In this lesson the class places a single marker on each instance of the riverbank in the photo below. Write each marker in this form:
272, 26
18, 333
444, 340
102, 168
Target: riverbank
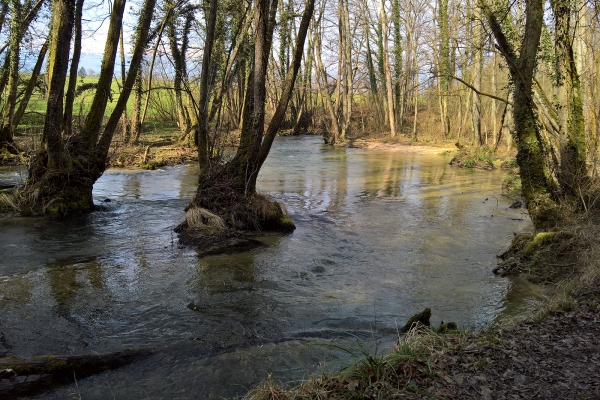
552, 354
402, 145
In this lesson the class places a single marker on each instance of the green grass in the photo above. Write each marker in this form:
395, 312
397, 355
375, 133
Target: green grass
160, 114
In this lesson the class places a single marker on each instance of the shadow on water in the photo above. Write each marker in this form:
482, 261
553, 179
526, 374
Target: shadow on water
379, 236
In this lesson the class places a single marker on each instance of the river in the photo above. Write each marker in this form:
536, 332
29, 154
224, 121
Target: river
380, 236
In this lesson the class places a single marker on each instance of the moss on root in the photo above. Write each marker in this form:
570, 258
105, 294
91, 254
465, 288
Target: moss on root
544, 257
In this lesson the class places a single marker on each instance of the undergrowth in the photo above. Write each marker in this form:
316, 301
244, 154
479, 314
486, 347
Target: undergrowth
481, 157
408, 368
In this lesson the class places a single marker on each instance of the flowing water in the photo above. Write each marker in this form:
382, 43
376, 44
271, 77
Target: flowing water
380, 236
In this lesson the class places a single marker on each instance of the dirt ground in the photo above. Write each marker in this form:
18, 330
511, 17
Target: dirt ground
558, 358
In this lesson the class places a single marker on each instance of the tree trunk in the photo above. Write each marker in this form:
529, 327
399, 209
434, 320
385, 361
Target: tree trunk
227, 193
444, 64
388, 72
573, 152
16, 33
537, 185
70, 95
202, 134
62, 175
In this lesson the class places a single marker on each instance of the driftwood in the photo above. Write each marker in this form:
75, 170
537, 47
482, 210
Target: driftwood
84, 364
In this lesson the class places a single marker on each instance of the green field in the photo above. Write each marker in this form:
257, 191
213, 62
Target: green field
161, 114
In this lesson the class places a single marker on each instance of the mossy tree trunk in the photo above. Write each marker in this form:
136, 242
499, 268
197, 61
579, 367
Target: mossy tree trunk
573, 148
539, 187
16, 34
229, 190
63, 172
444, 64
387, 69
548, 179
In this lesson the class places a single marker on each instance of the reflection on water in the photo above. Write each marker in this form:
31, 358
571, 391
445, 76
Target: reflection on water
380, 236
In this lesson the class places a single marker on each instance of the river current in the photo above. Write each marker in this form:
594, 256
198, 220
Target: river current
380, 236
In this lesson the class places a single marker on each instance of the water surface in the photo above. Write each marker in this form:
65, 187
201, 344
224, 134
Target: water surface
380, 236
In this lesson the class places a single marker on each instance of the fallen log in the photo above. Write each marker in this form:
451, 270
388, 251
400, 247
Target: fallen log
84, 364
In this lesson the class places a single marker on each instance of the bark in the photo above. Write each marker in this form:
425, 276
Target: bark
348, 71
202, 134
477, 80
95, 118
444, 63
70, 95
136, 120
322, 85
124, 124
573, 151
538, 188
61, 31
16, 34
234, 65
229, 190
388, 72
178, 54
288, 85
3, 13
397, 51
61, 176
51, 370
141, 42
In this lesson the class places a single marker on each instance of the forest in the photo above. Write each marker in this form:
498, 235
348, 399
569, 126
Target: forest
507, 87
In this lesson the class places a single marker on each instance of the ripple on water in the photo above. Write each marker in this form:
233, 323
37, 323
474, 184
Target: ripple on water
380, 236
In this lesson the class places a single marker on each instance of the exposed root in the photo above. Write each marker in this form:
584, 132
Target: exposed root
237, 209
9, 202
198, 218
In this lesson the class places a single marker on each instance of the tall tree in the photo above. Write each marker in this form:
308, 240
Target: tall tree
444, 63
21, 17
62, 174
388, 71
539, 188
227, 192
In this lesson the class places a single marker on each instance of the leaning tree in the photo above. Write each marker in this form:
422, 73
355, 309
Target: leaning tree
550, 135
227, 195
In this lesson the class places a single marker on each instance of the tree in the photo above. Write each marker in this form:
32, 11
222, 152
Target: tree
444, 64
388, 71
63, 172
21, 17
82, 72
549, 178
226, 195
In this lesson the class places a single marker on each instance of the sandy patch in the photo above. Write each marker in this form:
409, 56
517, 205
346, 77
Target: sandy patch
403, 147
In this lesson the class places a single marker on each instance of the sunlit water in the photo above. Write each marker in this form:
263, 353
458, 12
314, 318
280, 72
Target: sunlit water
380, 236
